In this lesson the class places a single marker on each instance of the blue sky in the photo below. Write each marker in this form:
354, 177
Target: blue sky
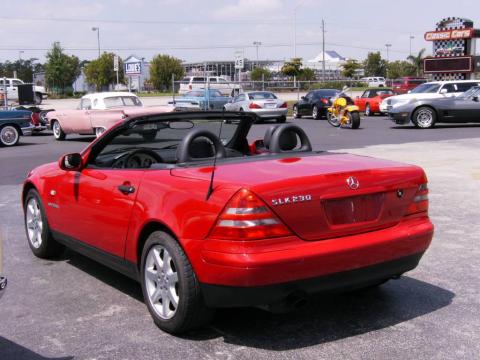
214, 29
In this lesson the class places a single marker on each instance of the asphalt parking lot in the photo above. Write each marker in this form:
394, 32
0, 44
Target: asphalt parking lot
74, 308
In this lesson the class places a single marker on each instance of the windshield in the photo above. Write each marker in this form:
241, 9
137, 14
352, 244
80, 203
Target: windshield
261, 96
162, 137
426, 88
116, 101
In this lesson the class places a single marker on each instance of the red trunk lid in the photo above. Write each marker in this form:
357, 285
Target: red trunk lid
312, 195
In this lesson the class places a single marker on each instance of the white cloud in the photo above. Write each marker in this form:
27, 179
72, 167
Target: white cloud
245, 8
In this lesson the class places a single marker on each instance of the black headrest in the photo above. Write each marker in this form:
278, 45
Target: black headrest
288, 140
201, 148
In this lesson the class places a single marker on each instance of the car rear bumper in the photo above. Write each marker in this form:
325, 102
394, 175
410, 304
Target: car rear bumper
3, 285
28, 130
270, 113
231, 296
290, 259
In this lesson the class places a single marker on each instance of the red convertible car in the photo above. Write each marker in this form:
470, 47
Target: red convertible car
370, 100
203, 219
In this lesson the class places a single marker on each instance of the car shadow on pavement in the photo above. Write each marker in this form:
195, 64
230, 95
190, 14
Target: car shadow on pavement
328, 318
11, 350
86, 139
325, 318
437, 126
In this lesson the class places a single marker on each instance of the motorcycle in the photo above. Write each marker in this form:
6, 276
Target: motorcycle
343, 113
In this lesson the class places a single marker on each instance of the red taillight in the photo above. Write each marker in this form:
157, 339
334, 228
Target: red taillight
190, 86
246, 217
35, 118
325, 101
284, 105
254, 106
420, 201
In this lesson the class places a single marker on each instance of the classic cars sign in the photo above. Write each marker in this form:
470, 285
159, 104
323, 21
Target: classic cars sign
133, 68
449, 34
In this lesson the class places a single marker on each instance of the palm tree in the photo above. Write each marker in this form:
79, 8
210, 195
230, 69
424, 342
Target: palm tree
417, 61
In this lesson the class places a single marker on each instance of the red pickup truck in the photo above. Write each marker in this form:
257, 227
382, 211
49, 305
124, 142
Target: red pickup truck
405, 84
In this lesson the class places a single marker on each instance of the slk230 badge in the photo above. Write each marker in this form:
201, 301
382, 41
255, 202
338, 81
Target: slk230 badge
291, 200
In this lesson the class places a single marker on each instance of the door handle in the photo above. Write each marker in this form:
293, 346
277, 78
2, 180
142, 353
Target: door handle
126, 189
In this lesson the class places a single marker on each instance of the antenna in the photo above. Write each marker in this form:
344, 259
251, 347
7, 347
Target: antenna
210, 187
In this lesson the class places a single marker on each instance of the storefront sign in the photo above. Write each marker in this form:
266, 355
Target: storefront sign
449, 34
133, 68
463, 64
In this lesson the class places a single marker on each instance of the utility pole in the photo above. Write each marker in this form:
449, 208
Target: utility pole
323, 50
97, 29
411, 38
257, 44
388, 47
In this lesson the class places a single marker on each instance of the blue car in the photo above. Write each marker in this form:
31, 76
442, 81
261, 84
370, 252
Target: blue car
13, 124
200, 99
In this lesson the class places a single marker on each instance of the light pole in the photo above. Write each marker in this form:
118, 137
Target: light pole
411, 38
388, 47
20, 55
97, 29
295, 35
257, 44
32, 64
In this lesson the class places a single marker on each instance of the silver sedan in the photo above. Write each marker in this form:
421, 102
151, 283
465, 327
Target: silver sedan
263, 103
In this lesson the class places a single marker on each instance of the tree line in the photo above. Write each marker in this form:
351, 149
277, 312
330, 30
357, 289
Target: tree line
61, 70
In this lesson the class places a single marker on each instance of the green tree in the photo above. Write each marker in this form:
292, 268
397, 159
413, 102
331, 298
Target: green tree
161, 69
397, 69
258, 74
100, 73
61, 70
306, 74
374, 65
292, 68
350, 67
417, 61
24, 69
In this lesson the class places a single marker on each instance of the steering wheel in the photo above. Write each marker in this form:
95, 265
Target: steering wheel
284, 139
138, 159
185, 146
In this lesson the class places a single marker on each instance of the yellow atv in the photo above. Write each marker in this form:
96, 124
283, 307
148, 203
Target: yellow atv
343, 113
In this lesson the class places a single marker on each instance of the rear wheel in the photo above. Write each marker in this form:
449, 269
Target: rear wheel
315, 113
37, 98
39, 237
424, 117
368, 110
58, 133
170, 287
354, 119
296, 115
9, 135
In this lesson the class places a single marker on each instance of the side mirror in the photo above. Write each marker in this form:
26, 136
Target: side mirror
443, 91
71, 162
303, 98
475, 98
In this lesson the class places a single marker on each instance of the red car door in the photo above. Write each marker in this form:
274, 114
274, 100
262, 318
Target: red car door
96, 206
360, 102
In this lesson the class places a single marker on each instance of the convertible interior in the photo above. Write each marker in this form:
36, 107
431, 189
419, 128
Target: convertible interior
170, 140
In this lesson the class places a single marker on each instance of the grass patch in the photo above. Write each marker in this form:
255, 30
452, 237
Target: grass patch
153, 94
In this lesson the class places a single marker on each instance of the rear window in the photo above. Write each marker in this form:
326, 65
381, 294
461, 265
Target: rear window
325, 93
116, 101
461, 87
261, 95
198, 79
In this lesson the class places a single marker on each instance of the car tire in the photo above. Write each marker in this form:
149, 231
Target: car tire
281, 119
58, 133
37, 98
99, 131
424, 117
368, 110
316, 113
39, 237
9, 135
296, 115
174, 282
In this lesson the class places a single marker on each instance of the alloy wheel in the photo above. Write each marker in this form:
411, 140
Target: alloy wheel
56, 129
424, 118
99, 131
295, 112
161, 282
34, 223
315, 112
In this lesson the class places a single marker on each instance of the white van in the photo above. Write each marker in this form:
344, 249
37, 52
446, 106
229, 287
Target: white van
429, 90
190, 83
375, 81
